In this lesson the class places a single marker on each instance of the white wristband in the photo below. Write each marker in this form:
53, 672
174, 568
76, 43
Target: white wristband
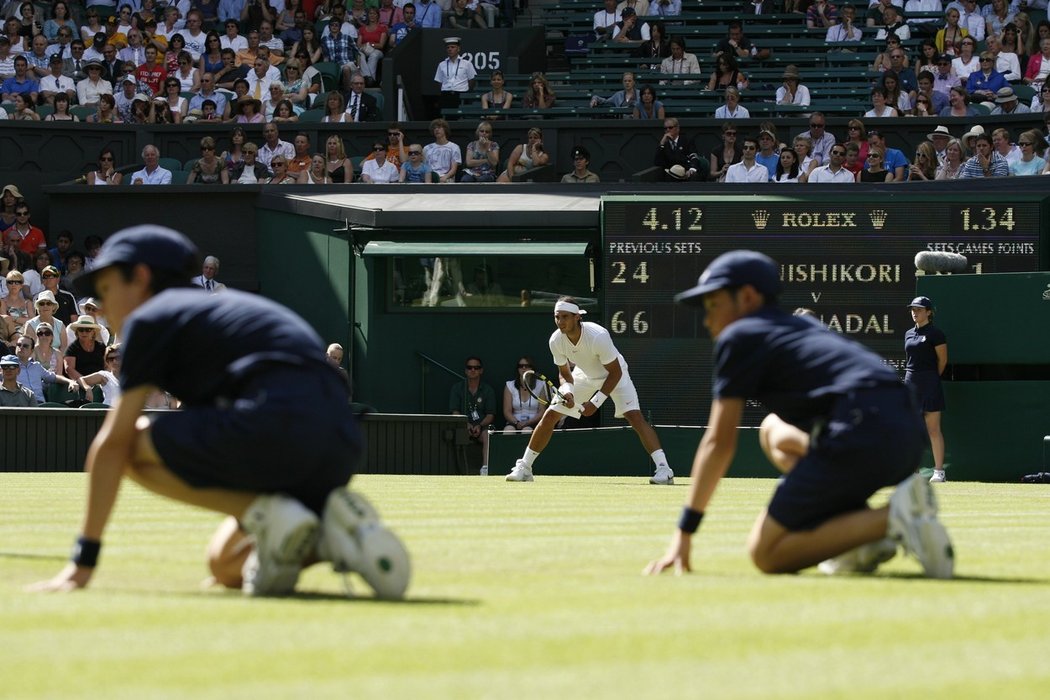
598, 399
565, 389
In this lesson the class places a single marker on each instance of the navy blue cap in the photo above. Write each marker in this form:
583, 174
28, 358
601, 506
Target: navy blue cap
157, 247
735, 269
922, 303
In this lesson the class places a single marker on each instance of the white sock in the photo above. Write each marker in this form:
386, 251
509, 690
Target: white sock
529, 457
660, 460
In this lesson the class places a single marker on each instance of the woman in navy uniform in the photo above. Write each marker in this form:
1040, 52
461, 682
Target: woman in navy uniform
926, 348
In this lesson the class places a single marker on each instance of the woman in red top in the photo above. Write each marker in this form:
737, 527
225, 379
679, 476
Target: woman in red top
371, 42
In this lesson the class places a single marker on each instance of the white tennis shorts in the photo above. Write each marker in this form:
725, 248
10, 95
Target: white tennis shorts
625, 396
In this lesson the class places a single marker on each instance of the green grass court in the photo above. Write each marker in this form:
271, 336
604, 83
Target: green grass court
526, 591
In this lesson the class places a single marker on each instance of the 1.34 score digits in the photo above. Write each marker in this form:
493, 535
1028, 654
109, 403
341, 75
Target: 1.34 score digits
673, 219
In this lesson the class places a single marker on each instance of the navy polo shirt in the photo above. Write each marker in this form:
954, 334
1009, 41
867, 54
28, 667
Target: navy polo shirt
793, 365
199, 346
919, 344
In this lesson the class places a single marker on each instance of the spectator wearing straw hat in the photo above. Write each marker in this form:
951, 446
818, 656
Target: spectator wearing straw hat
940, 137
86, 355
792, 92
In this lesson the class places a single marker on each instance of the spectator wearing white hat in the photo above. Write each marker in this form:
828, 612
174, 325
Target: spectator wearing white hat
86, 354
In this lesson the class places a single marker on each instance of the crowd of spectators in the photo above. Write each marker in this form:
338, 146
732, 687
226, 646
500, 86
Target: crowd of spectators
251, 62
55, 348
232, 60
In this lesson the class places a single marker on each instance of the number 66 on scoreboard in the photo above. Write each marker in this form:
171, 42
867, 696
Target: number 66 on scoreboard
629, 321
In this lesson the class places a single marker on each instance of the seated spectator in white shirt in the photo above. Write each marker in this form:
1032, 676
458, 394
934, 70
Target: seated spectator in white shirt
152, 173
792, 91
747, 170
379, 170
846, 29
732, 108
679, 62
833, 172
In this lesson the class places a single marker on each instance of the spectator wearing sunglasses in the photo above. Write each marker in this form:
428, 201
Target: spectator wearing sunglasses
34, 375
23, 233
13, 394
46, 324
68, 310
833, 172
476, 400
378, 169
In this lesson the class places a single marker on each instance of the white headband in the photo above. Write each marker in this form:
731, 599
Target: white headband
569, 306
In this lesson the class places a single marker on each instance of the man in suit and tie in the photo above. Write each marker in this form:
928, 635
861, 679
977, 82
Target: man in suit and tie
206, 279
676, 150
112, 67
73, 65
360, 106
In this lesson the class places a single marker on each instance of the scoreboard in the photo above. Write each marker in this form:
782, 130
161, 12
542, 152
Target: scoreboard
849, 260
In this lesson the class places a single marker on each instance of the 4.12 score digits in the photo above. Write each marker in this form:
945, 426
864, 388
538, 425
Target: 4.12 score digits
658, 219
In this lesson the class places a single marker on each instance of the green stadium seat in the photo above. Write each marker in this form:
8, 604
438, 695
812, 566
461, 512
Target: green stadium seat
95, 404
179, 177
171, 164
312, 115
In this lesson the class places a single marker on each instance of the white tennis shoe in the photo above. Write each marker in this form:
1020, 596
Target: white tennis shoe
285, 533
663, 477
520, 472
938, 477
354, 539
914, 525
861, 560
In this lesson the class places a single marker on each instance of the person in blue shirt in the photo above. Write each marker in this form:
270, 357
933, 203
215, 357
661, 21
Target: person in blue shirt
401, 29
265, 435
428, 14
416, 169
841, 426
892, 158
21, 83
983, 84
926, 350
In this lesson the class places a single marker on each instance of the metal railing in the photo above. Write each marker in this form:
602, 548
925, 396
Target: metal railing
424, 367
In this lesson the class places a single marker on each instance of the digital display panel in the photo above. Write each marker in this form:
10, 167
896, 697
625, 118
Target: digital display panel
850, 261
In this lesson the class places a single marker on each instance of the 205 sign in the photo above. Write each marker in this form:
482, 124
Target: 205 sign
484, 60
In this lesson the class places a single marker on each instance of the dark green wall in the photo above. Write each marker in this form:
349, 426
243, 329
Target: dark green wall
398, 379
306, 266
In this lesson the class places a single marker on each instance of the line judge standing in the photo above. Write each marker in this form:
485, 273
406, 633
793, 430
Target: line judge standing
455, 75
926, 349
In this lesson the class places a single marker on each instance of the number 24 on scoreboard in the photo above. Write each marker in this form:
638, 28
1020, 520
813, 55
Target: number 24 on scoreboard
692, 217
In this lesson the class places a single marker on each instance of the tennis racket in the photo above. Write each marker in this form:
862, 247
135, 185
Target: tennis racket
527, 380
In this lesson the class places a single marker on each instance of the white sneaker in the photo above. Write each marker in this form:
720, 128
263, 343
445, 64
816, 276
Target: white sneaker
484, 471
285, 533
520, 472
663, 477
355, 540
914, 525
938, 477
862, 560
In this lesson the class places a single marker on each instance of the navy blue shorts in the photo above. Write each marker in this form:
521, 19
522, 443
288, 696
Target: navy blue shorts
289, 431
928, 389
871, 439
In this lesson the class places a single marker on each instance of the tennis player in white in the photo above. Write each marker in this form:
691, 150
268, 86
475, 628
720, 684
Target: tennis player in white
600, 373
